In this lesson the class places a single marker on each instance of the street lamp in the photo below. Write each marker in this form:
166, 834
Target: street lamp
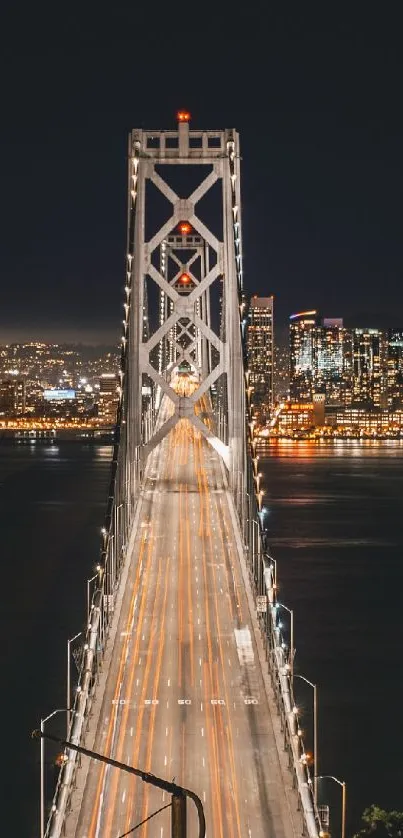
89, 593
273, 567
68, 711
97, 575
291, 613
343, 799
42, 778
315, 733
178, 793
259, 496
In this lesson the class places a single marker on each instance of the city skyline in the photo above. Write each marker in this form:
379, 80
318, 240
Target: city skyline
91, 338
208, 550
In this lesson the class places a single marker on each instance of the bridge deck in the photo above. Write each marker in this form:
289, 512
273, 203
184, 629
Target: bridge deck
184, 696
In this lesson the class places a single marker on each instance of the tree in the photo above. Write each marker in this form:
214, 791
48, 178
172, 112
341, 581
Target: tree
378, 823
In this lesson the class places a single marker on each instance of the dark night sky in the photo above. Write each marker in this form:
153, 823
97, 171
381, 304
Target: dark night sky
316, 95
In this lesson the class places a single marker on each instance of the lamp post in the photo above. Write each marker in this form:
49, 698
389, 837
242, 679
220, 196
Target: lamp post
68, 711
42, 772
89, 593
255, 546
178, 816
273, 567
247, 515
259, 497
343, 799
239, 489
315, 734
97, 575
291, 613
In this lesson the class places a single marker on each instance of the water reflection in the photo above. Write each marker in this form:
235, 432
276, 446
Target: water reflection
335, 531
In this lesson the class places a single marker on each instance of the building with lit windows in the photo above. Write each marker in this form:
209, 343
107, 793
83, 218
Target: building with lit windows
332, 361
369, 355
260, 352
357, 421
294, 416
108, 398
395, 367
12, 396
302, 355
348, 366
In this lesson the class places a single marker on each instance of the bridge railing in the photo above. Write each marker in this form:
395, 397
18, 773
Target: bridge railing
113, 549
262, 569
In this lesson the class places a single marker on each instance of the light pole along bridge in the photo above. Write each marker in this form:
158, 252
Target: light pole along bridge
185, 672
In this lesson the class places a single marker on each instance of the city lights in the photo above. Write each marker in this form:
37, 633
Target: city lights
56, 388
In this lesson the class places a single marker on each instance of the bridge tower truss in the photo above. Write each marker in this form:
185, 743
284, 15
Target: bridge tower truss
190, 269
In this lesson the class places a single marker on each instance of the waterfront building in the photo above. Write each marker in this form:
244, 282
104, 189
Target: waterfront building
358, 421
369, 367
260, 352
281, 373
332, 361
107, 398
302, 355
395, 367
12, 395
347, 366
294, 416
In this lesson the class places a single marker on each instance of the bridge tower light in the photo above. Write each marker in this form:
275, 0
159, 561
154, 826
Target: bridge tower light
185, 228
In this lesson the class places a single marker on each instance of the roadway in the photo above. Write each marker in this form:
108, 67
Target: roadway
184, 696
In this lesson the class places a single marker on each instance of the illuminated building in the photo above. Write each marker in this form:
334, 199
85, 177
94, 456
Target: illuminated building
332, 361
358, 421
12, 396
295, 416
302, 355
368, 367
108, 398
281, 373
395, 367
260, 352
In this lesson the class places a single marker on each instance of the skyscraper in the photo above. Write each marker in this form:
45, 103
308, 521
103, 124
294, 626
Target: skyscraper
332, 361
302, 355
260, 352
395, 367
12, 396
369, 367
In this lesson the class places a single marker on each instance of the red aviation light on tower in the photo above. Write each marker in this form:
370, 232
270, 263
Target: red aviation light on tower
184, 228
183, 116
184, 279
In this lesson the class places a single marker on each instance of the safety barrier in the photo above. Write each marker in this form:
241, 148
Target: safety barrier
113, 555
279, 655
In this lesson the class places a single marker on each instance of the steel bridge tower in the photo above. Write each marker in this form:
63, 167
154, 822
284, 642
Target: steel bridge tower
184, 309
192, 276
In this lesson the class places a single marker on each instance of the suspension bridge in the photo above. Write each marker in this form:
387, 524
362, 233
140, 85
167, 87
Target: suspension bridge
186, 671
